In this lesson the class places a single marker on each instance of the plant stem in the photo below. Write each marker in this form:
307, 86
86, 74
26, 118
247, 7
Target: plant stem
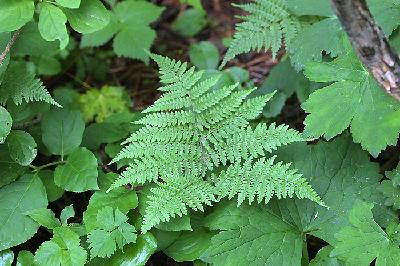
305, 257
3, 55
38, 168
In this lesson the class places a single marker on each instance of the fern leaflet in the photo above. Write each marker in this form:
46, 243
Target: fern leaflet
20, 85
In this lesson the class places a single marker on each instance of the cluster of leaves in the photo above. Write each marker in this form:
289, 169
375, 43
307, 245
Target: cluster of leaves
339, 95
202, 177
315, 34
49, 151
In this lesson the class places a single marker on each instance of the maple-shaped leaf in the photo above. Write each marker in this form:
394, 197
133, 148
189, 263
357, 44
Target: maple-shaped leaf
391, 188
112, 231
339, 171
252, 235
63, 249
353, 99
363, 241
130, 27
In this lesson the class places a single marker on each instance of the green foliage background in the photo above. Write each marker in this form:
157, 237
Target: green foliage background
203, 170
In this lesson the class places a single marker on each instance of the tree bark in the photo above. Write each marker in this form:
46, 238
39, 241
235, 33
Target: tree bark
370, 43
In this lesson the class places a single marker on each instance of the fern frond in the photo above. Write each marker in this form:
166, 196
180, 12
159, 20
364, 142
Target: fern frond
267, 24
190, 132
261, 180
21, 86
174, 198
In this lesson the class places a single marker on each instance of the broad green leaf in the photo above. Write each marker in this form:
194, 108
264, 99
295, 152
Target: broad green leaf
69, 3
252, 235
128, 44
66, 213
325, 35
25, 258
133, 19
190, 23
139, 12
9, 169
79, 174
190, 245
100, 104
133, 254
30, 42
63, 249
98, 133
121, 199
45, 217
175, 224
284, 79
204, 55
386, 13
364, 240
22, 147
27, 193
112, 232
106, 180
6, 257
165, 238
310, 7
115, 128
62, 131
52, 190
15, 13
91, 16
67, 97
341, 173
102, 36
52, 24
5, 124
48, 66
355, 100
323, 258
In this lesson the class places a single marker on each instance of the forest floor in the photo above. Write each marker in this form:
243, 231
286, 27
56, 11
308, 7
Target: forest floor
142, 81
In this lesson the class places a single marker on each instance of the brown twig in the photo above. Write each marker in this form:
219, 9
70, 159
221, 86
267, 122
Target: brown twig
370, 43
4, 54
25, 125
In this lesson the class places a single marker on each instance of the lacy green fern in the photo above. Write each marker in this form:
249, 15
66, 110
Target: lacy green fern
195, 138
268, 23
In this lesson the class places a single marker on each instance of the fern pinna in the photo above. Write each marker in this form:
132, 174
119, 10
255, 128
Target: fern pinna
197, 145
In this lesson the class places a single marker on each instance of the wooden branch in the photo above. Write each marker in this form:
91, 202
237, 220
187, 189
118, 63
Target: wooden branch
3, 55
370, 43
